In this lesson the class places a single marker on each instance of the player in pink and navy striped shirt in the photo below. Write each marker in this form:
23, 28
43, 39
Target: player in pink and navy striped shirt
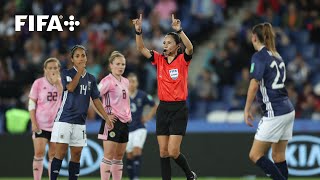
115, 98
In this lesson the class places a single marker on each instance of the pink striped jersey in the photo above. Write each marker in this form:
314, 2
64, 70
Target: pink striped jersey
48, 101
115, 97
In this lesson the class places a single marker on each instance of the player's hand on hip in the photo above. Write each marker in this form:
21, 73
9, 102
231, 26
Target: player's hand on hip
109, 124
112, 118
138, 23
35, 128
176, 23
248, 118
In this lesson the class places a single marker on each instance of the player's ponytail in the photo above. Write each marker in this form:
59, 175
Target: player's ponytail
269, 37
266, 36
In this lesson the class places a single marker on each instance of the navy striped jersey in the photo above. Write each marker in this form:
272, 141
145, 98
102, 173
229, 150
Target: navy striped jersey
136, 105
270, 71
74, 105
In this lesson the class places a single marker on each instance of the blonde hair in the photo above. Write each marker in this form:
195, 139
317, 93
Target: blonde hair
114, 55
266, 36
49, 60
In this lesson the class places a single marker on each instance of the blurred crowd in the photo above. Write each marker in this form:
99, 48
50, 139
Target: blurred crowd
224, 80
105, 25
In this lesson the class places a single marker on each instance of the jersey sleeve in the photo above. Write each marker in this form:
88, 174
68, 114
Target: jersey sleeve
95, 94
257, 68
187, 57
34, 90
155, 56
104, 86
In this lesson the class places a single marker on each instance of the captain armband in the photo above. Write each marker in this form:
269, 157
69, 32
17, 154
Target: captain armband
31, 105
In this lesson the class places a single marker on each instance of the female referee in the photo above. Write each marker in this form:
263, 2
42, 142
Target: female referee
172, 113
268, 75
44, 102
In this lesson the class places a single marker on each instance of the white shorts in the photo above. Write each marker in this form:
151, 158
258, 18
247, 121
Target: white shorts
276, 128
72, 134
137, 138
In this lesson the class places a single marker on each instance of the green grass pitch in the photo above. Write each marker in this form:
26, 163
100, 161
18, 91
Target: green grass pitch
158, 178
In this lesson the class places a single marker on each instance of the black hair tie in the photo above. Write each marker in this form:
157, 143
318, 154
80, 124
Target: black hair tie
138, 33
179, 31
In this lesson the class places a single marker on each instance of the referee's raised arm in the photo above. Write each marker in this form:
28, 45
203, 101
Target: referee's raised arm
139, 41
176, 25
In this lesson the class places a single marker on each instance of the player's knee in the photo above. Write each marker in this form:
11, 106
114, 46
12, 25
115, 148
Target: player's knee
75, 156
254, 157
278, 157
39, 154
174, 152
164, 153
137, 151
118, 155
129, 156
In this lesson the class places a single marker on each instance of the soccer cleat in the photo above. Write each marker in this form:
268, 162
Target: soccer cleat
194, 176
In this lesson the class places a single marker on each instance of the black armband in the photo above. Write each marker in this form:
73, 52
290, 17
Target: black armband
138, 33
179, 31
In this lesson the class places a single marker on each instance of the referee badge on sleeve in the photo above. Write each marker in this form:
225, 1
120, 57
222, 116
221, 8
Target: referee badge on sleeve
174, 73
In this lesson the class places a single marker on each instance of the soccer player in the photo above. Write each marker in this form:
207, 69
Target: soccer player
115, 97
172, 112
69, 127
44, 102
137, 131
268, 75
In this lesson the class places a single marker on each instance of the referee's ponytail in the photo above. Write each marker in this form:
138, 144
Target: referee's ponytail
177, 39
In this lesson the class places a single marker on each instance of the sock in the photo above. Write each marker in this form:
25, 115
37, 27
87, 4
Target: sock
269, 168
37, 167
49, 167
55, 168
183, 163
74, 170
130, 168
283, 167
136, 166
105, 167
165, 168
116, 169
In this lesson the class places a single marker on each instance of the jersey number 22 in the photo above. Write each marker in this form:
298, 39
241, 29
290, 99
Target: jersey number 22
276, 84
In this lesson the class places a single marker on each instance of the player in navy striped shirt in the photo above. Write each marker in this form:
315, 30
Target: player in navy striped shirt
69, 128
268, 75
137, 130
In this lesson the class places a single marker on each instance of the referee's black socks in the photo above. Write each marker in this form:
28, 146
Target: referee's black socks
183, 163
165, 168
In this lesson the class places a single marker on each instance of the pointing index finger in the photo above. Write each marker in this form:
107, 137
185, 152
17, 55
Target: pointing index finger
172, 17
140, 18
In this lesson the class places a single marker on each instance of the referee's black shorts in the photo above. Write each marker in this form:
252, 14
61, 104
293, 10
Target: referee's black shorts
172, 118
